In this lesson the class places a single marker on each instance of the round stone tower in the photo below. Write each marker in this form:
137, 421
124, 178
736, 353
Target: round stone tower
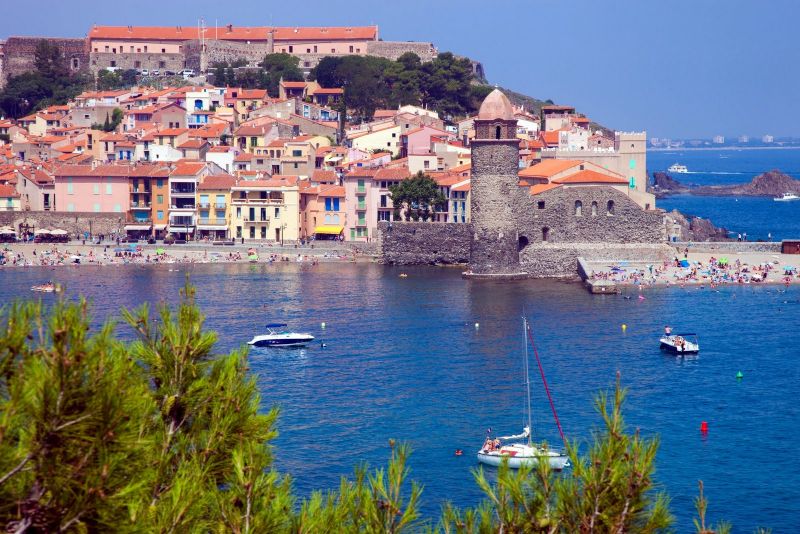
495, 165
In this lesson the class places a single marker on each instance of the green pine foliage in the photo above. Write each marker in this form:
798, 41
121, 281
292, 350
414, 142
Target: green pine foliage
163, 434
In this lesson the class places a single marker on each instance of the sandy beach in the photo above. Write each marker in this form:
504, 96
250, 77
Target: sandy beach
704, 268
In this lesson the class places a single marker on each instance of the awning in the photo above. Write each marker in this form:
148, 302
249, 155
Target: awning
160, 227
211, 227
140, 227
181, 211
329, 230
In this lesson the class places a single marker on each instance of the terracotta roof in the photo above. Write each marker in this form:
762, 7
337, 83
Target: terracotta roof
541, 188
7, 191
294, 85
463, 187
248, 130
252, 94
552, 137
276, 181
233, 33
395, 173
244, 156
188, 168
219, 182
327, 91
548, 168
193, 143
171, 132
220, 149
587, 177
558, 108
323, 176
331, 191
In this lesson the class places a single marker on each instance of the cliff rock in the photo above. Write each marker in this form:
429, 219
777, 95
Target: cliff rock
692, 228
770, 184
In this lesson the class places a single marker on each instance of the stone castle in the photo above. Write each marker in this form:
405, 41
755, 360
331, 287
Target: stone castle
518, 231
177, 48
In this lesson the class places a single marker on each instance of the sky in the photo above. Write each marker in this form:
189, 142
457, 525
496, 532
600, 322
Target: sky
675, 68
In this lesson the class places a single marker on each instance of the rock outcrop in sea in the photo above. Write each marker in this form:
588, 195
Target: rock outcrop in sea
773, 183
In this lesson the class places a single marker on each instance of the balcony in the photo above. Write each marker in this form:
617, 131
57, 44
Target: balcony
262, 201
178, 190
219, 205
140, 205
140, 191
189, 207
211, 222
205, 205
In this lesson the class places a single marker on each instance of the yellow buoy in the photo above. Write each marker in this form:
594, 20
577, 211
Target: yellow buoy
624, 327
323, 325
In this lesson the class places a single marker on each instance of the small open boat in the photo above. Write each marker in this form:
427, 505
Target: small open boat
680, 343
277, 338
46, 288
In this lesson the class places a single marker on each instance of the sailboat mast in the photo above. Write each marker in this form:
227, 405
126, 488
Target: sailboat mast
527, 378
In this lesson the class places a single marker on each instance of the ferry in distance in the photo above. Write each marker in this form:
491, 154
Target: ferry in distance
786, 197
678, 169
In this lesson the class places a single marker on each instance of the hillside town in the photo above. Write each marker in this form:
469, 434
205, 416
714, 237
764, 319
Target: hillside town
203, 162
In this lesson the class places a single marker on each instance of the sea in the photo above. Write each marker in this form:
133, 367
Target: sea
434, 360
758, 217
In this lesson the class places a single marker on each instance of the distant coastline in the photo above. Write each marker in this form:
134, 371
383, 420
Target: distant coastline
708, 148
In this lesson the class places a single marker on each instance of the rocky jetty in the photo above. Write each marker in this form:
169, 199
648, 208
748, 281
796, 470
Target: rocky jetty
770, 184
692, 228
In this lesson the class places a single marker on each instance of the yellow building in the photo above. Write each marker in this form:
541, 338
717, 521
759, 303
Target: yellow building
384, 140
266, 210
214, 206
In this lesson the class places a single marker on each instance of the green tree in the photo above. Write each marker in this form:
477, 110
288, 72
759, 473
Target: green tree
108, 80
420, 195
280, 66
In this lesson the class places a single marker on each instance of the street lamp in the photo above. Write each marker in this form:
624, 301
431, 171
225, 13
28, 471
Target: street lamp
283, 230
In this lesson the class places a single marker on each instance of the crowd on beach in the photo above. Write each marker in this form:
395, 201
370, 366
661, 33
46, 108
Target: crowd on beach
50, 256
714, 272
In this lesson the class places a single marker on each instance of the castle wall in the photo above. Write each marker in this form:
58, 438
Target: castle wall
417, 243
394, 49
150, 61
19, 54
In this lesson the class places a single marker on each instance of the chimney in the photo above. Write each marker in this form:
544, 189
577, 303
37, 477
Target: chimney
230, 28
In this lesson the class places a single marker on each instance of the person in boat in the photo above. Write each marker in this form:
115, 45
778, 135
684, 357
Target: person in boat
667, 330
496, 444
680, 343
487, 445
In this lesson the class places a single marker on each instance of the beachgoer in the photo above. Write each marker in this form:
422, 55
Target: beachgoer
668, 330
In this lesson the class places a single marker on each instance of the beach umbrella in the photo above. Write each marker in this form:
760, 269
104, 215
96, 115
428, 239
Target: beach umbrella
42, 231
253, 257
722, 261
160, 251
7, 230
58, 232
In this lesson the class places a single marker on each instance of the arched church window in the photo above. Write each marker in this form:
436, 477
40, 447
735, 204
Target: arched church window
610, 210
545, 233
578, 208
497, 132
594, 208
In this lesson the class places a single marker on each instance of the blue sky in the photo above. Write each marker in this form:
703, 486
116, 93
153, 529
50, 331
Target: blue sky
677, 68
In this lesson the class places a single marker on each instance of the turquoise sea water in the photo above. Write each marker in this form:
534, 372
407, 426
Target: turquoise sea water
757, 216
404, 360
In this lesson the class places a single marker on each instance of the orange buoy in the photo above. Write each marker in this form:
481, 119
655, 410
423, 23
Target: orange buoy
704, 427
459, 452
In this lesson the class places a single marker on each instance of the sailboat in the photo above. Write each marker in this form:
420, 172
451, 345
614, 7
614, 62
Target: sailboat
520, 450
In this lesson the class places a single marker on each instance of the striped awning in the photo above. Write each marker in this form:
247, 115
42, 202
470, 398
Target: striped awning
137, 227
329, 230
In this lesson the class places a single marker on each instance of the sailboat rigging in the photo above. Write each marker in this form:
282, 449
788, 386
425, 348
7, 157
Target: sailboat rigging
527, 453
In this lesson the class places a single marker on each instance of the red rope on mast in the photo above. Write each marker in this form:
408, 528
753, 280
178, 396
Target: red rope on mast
544, 380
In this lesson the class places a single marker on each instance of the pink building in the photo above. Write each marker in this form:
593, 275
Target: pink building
368, 200
102, 189
322, 211
418, 140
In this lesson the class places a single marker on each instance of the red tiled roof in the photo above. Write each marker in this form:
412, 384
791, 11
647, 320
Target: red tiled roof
588, 176
171, 132
233, 33
393, 173
217, 182
541, 188
548, 168
188, 168
193, 143
323, 176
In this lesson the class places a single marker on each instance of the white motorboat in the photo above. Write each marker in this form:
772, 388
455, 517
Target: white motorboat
278, 338
786, 197
677, 168
680, 343
520, 450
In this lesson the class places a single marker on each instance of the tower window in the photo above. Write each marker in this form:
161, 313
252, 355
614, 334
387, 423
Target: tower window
523, 242
540, 205
497, 132
578, 208
594, 208
610, 208
545, 233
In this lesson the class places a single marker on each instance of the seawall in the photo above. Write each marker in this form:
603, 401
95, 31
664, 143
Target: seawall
418, 243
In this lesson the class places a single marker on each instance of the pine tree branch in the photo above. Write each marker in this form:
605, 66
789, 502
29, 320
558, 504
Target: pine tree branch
16, 470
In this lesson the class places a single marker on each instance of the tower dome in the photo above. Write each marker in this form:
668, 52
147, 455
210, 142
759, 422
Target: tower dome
496, 106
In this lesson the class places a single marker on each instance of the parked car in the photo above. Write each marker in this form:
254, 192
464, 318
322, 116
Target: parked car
155, 72
112, 69
144, 72
169, 73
